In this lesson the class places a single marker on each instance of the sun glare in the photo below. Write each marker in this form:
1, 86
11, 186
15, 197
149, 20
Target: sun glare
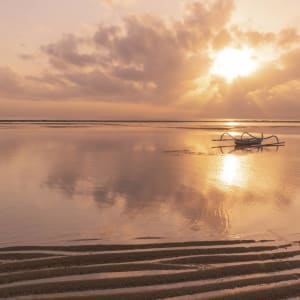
231, 63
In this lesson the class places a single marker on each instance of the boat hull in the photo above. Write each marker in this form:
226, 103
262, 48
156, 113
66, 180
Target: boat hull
247, 142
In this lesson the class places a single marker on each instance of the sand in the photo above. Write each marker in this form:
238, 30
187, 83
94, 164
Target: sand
237, 269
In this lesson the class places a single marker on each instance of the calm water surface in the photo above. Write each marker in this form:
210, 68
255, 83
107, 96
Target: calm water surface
120, 183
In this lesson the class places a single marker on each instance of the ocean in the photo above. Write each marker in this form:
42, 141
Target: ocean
66, 182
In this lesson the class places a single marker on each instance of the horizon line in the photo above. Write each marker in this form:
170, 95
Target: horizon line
147, 121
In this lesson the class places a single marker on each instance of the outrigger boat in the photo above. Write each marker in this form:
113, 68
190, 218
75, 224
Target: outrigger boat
247, 140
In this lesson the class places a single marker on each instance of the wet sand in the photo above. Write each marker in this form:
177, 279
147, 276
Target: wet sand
228, 269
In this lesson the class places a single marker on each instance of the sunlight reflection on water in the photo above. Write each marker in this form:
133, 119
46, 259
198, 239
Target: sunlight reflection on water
231, 169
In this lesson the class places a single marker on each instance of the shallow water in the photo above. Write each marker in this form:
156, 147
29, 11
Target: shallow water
145, 182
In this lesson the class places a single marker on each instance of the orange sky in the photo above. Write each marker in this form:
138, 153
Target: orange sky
132, 59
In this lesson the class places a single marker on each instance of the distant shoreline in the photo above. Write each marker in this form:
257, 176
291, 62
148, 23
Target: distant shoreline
144, 121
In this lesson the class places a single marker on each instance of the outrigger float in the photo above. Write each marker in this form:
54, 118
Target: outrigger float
247, 140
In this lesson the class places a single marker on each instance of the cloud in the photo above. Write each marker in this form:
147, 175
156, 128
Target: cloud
149, 60
286, 38
25, 56
65, 53
145, 58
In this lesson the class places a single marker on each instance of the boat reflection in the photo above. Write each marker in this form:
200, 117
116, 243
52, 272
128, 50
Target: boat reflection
225, 149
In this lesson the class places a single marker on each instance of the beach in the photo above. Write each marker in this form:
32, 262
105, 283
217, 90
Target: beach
148, 210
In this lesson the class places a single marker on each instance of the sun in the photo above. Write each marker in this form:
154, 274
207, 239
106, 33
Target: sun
231, 63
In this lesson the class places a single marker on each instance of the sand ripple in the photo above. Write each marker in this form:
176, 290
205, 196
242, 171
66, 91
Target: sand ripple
238, 269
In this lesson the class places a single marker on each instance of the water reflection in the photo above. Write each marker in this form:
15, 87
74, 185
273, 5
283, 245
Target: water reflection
231, 170
228, 149
119, 184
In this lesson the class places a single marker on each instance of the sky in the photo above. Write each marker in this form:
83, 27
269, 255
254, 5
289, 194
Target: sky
139, 59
